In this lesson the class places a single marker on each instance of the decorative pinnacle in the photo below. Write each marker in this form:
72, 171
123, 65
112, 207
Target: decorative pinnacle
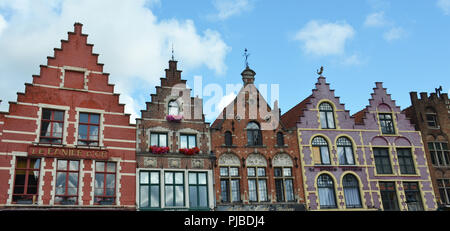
246, 57
173, 59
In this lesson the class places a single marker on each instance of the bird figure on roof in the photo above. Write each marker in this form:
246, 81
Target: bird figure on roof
321, 71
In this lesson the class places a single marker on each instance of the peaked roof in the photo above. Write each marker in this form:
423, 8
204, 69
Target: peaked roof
291, 117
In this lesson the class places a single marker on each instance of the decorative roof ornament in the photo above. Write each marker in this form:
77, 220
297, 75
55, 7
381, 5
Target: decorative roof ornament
319, 72
173, 59
438, 91
246, 57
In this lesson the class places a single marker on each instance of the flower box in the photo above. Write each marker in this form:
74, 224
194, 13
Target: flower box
159, 150
189, 151
174, 118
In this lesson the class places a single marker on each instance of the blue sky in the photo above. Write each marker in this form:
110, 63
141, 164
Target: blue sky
404, 44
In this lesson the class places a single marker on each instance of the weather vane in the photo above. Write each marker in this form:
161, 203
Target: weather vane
321, 71
438, 91
246, 57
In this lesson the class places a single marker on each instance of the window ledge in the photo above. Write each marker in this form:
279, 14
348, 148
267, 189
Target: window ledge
255, 146
228, 146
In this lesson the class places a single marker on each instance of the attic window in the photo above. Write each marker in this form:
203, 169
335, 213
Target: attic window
173, 108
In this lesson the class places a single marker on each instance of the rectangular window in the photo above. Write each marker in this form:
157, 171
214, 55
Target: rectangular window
149, 189
389, 196
158, 139
386, 123
105, 183
67, 172
52, 124
382, 162
413, 198
88, 129
257, 184
26, 180
284, 184
444, 190
188, 141
431, 120
198, 190
439, 153
405, 161
174, 189
230, 184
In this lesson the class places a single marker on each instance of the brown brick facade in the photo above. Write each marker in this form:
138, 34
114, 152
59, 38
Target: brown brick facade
434, 135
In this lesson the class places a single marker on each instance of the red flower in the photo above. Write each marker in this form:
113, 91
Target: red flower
159, 150
190, 151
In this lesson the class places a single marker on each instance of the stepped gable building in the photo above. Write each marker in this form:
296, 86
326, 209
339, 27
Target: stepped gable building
257, 164
66, 142
373, 160
173, 149
431, 116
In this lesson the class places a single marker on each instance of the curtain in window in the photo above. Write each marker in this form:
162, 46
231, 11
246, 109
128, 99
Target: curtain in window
325, 155
235, 191
252, 190
326, 191
262, 188
351, 191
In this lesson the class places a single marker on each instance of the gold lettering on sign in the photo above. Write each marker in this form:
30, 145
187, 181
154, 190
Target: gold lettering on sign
76, 153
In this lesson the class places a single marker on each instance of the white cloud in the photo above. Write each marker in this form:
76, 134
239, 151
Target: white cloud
323, 39
132, 42
394, 34
353, 60
375, 20
228, 8
444, 5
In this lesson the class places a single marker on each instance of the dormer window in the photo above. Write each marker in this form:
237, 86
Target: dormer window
386, 123
326, 116
173, 108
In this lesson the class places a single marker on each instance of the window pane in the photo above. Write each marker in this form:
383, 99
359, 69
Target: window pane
349, 155
183, 140
202, 178
111, 167
154, 139
203, 196
46, 114
144, 196
74, 165
252, 190
234, 171
95, 119
179, 190
45, 128
62, 165
251, 172
330, 119
154, 196
261, 172
169, 196
82, 132
61, 181
154, 177
323, 120
100, 166
179, 178
143, 179
262, 188
84, 118
287, 172
163, 140
235, 190
289, 190
58, 115
192, 142
57, 129
168, 177
93, 132
277, 172
192, 178
224, 187
73, 180
324, 154
223, 171
193, 196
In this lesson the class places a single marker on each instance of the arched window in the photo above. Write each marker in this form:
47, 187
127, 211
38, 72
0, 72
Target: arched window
228, 138
431, 117
345, 151
327, 198
253, 134
326, 115
173, 108
280, 139
351, 191
320, 150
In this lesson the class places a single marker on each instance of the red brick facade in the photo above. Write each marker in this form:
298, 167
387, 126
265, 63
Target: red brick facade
267, 154
68, 112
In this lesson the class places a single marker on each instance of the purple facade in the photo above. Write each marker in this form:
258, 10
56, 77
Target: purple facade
373, 160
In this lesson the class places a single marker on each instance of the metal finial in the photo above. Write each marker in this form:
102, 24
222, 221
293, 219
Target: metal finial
246, 57
173, 59
321, 71
438, 91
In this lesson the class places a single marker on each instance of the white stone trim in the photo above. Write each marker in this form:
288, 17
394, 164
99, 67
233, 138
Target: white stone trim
56, 87
41, 183
189, 131
158, 129
17, 141
53, 183
119, 140
92, 182
120, 148
11, 179
119, 126
81, 173
54, 107
19, 132
20, 117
